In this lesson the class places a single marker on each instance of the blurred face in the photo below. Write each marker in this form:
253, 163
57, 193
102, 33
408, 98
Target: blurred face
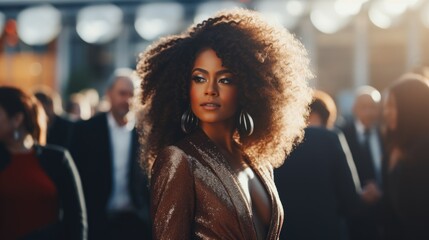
366, 110
390, 114
315, 120
7, 126
213, 90
120, 97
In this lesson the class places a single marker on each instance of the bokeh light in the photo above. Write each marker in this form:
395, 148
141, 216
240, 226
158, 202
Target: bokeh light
39, 25
207, 9
326, 18
157, 19
386, 13
99, 23
285, 13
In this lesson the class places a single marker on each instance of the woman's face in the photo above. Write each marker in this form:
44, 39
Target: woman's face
213, 90
390, 113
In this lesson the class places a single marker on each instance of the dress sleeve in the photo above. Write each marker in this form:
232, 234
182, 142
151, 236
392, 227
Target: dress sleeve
172, 195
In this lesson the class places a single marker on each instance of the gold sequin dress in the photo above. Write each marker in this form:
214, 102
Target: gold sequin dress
195, 195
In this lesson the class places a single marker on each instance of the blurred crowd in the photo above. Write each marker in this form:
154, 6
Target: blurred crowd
367, 177
98, 191
63, 174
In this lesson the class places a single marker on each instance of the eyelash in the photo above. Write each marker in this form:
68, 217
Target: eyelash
226, 80
199, 79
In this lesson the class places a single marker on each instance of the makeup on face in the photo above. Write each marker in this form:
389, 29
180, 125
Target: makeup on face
213, 89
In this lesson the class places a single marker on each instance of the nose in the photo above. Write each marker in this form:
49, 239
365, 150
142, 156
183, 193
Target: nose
211, 89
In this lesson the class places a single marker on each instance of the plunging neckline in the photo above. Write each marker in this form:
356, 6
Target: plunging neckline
261, 178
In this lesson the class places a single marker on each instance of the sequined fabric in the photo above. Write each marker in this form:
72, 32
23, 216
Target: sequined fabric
195, 195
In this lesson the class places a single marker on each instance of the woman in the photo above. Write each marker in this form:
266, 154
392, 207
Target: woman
40, 191
406, 121
226, 102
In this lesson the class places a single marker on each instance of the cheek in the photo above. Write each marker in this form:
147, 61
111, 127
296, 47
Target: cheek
193, 94
231, 96
196, 92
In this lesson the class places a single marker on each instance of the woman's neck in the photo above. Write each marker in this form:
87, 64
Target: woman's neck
222, 138
20, 145
221, 135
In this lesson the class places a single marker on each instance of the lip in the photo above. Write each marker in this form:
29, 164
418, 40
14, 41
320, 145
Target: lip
210, 105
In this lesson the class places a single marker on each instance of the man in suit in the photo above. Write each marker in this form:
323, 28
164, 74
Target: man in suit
106, 151
316, 183
363, 138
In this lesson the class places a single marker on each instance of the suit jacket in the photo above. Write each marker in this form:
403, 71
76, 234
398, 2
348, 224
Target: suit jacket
91, 148
195, 195
366, 225
316, 186
364, 167
59, 132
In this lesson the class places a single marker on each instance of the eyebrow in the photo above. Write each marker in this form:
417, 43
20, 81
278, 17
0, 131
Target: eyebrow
206, 72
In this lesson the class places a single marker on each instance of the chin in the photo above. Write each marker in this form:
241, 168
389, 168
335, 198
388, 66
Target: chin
214, 120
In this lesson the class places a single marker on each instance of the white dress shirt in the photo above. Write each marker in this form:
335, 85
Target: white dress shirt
120, 139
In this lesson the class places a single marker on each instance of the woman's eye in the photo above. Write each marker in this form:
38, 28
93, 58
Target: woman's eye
198, 79
226, 80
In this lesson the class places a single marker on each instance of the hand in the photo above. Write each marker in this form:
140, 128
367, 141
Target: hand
371, 194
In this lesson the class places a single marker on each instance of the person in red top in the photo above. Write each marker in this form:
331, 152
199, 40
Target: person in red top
40, 189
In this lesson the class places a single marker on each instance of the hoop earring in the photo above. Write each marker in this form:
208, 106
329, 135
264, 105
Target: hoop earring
245, 123
188, 121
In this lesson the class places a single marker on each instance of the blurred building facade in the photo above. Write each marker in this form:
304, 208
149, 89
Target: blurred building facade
79, 43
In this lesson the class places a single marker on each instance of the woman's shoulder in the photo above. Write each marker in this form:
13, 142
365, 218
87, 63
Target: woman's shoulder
53, 155
171, 152
172, 155
171, 162
50, 151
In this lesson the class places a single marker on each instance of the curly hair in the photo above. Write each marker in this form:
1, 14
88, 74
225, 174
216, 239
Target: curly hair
272, 66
